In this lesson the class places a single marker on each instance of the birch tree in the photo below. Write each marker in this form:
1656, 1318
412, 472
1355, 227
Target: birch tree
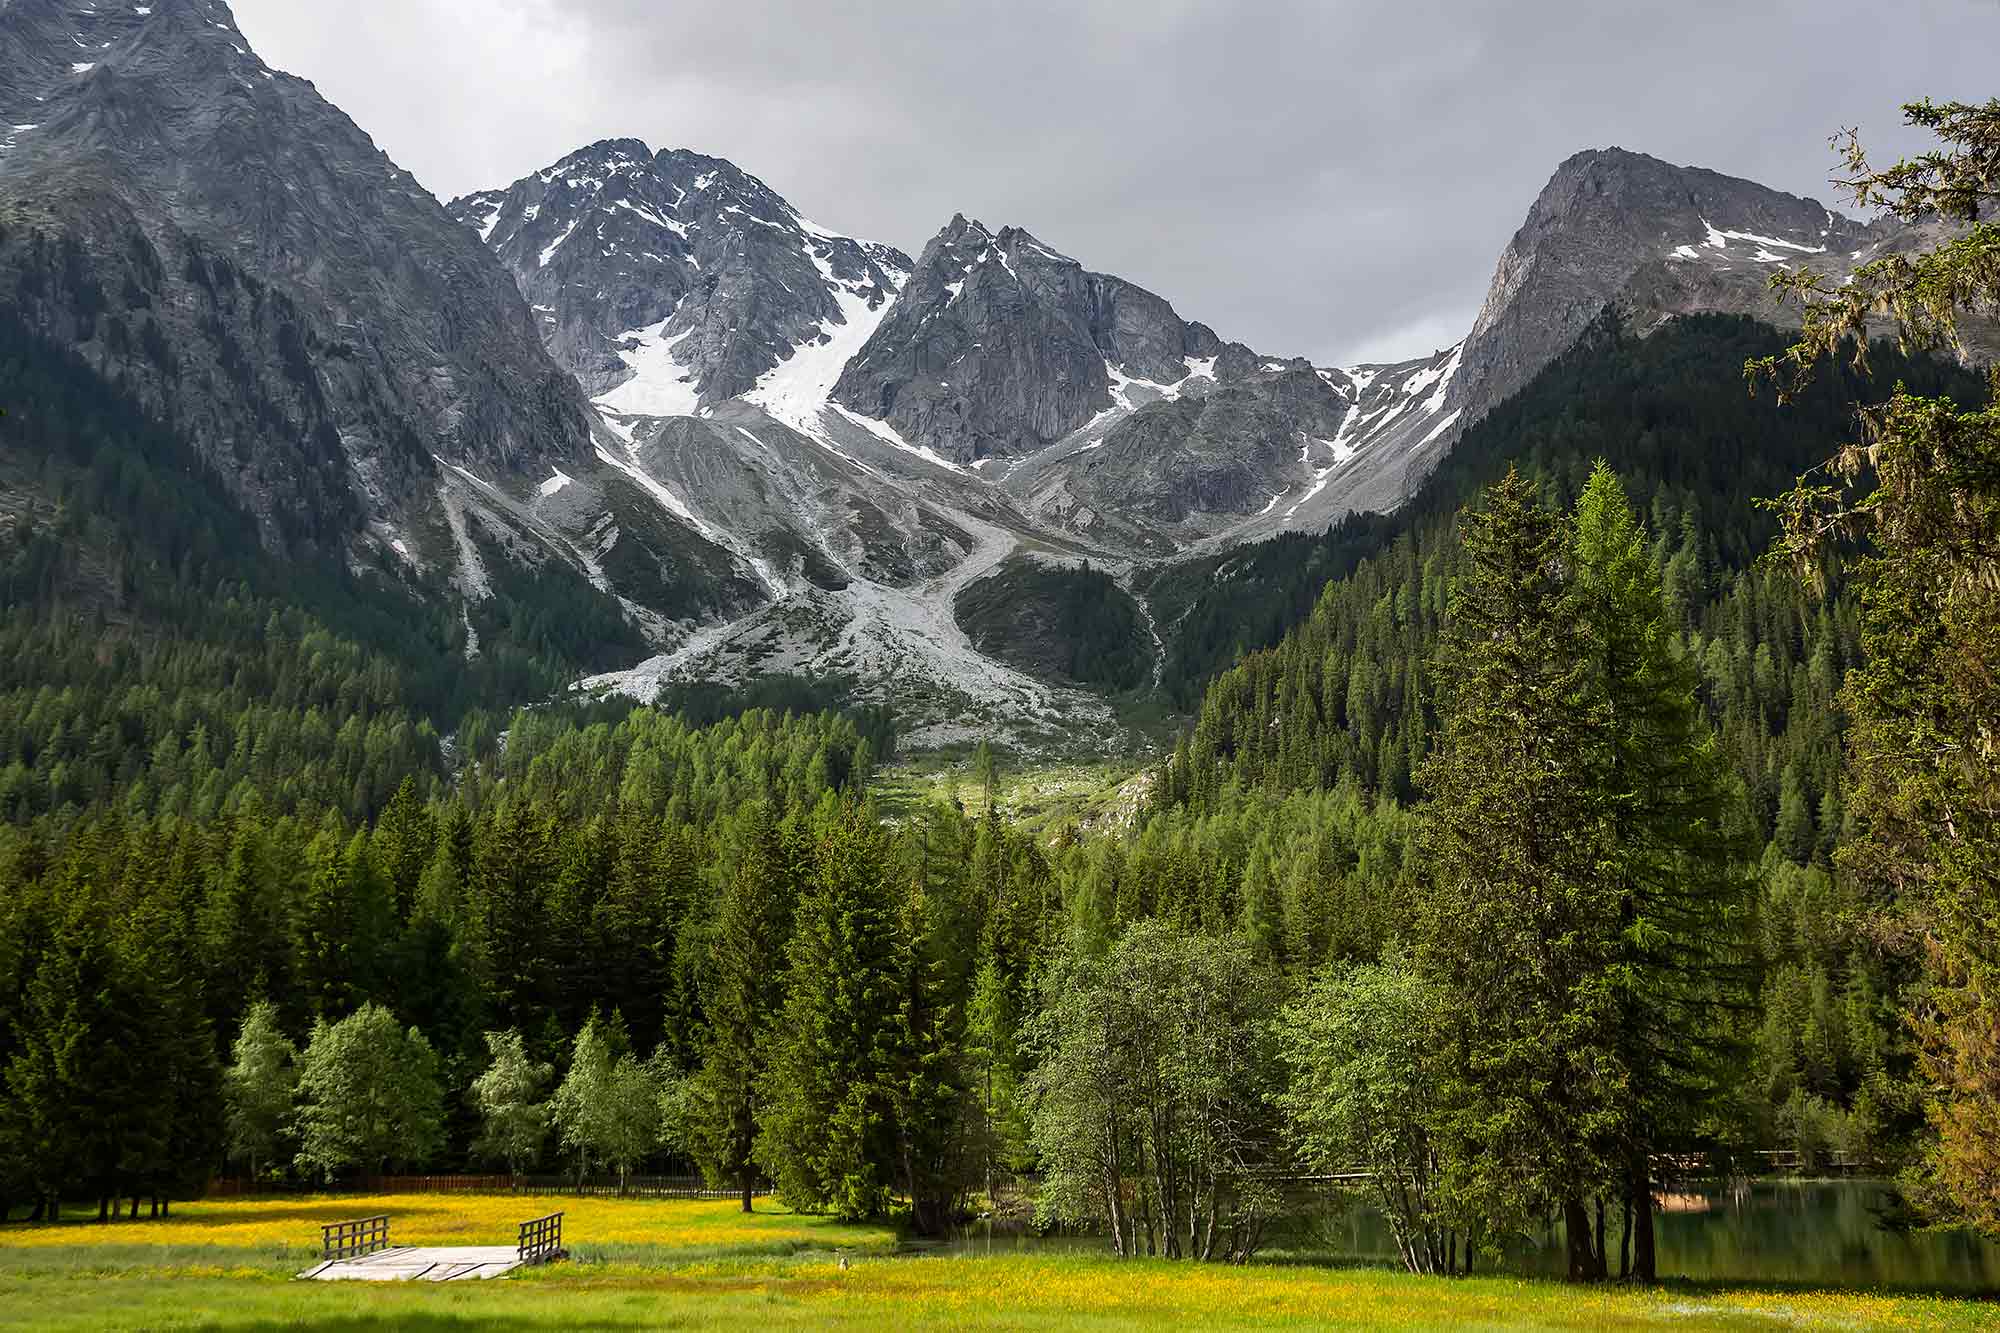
514, 1122
258, 1088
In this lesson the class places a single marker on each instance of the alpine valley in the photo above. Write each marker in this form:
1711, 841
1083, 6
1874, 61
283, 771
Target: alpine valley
635, 424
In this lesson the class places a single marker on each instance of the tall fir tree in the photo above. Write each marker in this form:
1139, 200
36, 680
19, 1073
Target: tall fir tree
826, 1132
744, 990
1519, 926
1676, 861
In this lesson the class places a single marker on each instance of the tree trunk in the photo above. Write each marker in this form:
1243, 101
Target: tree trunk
745, 1182
1576, 1235
1600, 1263
1645, 1259
1625, 1241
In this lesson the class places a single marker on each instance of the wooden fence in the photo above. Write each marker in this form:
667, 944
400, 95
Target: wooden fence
594, 1187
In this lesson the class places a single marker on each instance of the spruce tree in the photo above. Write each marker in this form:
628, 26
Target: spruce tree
928, 1083
1674, 859
1519, 926
825, 1124
744, 989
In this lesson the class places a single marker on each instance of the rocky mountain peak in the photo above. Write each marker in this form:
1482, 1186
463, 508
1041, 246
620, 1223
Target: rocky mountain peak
669, 282
1001, 345
1618, 228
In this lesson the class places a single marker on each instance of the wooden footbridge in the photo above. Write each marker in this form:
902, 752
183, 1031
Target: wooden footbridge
360, 1251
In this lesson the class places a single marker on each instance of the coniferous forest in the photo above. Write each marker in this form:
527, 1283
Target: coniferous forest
1586, 816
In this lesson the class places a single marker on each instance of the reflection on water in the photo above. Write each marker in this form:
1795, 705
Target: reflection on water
1823, 1233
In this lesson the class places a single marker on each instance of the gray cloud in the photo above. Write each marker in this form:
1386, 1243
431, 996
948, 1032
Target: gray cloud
1330, 179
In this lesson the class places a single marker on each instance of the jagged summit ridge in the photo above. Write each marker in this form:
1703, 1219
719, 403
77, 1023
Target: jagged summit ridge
1002, 345
669, 282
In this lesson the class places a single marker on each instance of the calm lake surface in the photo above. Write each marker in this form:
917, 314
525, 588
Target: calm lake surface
1824, 1233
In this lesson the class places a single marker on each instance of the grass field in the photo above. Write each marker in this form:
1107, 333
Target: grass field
644, 1264
1040, 798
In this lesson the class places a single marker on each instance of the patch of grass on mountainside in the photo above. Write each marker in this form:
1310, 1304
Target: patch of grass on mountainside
1042, 798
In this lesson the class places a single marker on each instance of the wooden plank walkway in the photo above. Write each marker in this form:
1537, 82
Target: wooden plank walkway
407, 1263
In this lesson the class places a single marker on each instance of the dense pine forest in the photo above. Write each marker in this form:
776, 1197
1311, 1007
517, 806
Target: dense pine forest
1554, 831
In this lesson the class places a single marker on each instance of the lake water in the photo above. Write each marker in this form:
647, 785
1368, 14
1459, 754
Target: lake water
1822, 1233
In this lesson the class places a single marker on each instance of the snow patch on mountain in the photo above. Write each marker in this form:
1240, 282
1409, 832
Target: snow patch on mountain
661, 385
797, 390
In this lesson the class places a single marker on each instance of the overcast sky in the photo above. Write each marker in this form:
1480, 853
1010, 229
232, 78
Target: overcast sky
1332, 179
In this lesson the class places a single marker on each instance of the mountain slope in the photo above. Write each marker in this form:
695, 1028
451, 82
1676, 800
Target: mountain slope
1002, 346
1619, 227
1667, 409
227, 251
636, 405
241, 255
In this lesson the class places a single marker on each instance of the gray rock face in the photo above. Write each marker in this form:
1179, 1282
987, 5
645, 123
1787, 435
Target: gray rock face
1611, 230
1218, 450
1000, 346
1619, 228
216, 235
684, 264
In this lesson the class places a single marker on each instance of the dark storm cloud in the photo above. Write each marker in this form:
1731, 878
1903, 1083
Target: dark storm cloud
1332, 180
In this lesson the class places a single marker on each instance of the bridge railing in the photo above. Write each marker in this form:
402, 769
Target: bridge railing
363, 1235
541, 1240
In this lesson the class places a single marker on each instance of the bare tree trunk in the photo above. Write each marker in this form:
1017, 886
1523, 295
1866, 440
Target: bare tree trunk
1576, 1236
1625, 1241
1598, 1259
1645, 1259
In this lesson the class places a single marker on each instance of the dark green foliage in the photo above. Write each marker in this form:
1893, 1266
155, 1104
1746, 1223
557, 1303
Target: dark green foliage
1518, 929
1667, 411
135, 948
828, 1119
1075, 626
1922, 489
1676, 858
159, 654
743, 997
